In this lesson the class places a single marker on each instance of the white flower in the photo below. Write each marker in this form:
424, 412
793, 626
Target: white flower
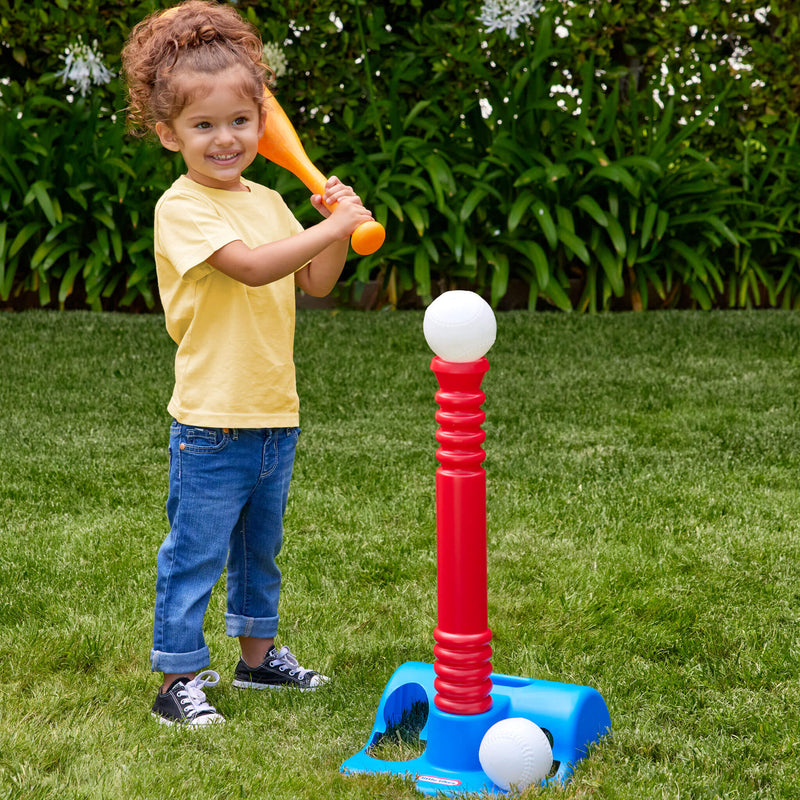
276, 58
508, 15
336, 21
84, 67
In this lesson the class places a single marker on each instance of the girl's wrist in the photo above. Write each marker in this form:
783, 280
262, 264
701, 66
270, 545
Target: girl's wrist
337, 233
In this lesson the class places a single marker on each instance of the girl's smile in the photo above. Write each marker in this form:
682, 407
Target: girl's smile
217, 132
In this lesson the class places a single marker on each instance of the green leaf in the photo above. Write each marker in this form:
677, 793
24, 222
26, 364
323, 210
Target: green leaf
38, 191
543, 46
41, 252
534, 253
647, 224
518, 210
647, 164
415, 215
632, 253
565, 218
617, 236
422, 271
700, 293
470, 253
612, 268
500, 275
101, 245
557, 296
120, 164
617, 175
68, 280
592, 208
116, 243
391, 202
613, 203
104, 218
441, 179
542, 215
415, 112
15, 171
697, 262
661, 224
574, 244
23, 236
533, 294
415, 182
54, 255
531, 175
58, 231
471, 202
555, 172
634, 218
720, 226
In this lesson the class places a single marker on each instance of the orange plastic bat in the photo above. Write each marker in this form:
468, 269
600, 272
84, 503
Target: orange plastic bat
281, 144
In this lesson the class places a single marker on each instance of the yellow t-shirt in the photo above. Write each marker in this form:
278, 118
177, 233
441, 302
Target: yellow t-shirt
234, 366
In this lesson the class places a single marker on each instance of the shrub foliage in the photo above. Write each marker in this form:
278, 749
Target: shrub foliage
634, 154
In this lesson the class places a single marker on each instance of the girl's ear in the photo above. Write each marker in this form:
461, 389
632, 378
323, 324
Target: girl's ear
262, 121
167, 137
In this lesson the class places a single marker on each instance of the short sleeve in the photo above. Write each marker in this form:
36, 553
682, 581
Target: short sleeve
189, 230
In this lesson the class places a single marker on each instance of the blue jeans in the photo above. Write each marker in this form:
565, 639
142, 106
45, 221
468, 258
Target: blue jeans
227, 497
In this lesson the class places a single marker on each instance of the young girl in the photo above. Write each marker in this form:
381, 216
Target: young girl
229, 254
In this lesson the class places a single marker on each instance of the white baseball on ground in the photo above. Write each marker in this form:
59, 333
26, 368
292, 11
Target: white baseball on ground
515, 753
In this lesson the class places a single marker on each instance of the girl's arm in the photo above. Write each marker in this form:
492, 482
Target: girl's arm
319, 276
322, 248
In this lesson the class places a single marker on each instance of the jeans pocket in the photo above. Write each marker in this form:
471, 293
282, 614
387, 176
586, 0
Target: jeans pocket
195, 439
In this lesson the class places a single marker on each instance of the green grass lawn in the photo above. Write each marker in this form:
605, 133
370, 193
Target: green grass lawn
644, 539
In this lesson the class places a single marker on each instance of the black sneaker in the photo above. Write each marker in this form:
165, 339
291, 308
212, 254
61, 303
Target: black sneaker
279, 669
184, 703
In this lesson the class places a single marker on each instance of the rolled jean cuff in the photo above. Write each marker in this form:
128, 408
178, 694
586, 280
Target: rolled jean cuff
177, 663
256, 627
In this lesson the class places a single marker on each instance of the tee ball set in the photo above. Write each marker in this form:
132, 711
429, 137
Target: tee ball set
484, 732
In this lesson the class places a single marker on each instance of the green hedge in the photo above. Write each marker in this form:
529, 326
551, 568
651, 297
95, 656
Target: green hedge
624, 188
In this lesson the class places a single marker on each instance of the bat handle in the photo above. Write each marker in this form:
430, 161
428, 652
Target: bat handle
367, 237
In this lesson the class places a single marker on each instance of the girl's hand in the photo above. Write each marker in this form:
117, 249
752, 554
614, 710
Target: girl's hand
349, 211
335, 192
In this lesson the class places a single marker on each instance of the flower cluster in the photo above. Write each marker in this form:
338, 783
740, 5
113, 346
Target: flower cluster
84, 67
508, 15
276, 59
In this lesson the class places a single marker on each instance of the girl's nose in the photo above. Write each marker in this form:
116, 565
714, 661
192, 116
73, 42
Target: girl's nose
223, 136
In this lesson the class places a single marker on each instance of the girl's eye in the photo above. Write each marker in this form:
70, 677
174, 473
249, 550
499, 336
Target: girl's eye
240, 121
203, 125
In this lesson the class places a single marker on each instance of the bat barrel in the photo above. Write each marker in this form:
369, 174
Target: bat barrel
367, 238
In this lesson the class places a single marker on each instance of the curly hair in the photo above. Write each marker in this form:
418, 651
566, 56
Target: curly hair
197, 37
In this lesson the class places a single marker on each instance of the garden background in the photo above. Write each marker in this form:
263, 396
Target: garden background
587, 155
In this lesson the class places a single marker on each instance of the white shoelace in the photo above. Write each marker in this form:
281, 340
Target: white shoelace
285, 660
193, 698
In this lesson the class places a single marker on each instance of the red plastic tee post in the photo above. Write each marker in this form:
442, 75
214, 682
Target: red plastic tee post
463, 652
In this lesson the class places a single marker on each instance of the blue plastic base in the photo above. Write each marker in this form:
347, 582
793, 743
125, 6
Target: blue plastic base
575, 716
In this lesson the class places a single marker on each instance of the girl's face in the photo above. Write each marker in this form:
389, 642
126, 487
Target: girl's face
217, 133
